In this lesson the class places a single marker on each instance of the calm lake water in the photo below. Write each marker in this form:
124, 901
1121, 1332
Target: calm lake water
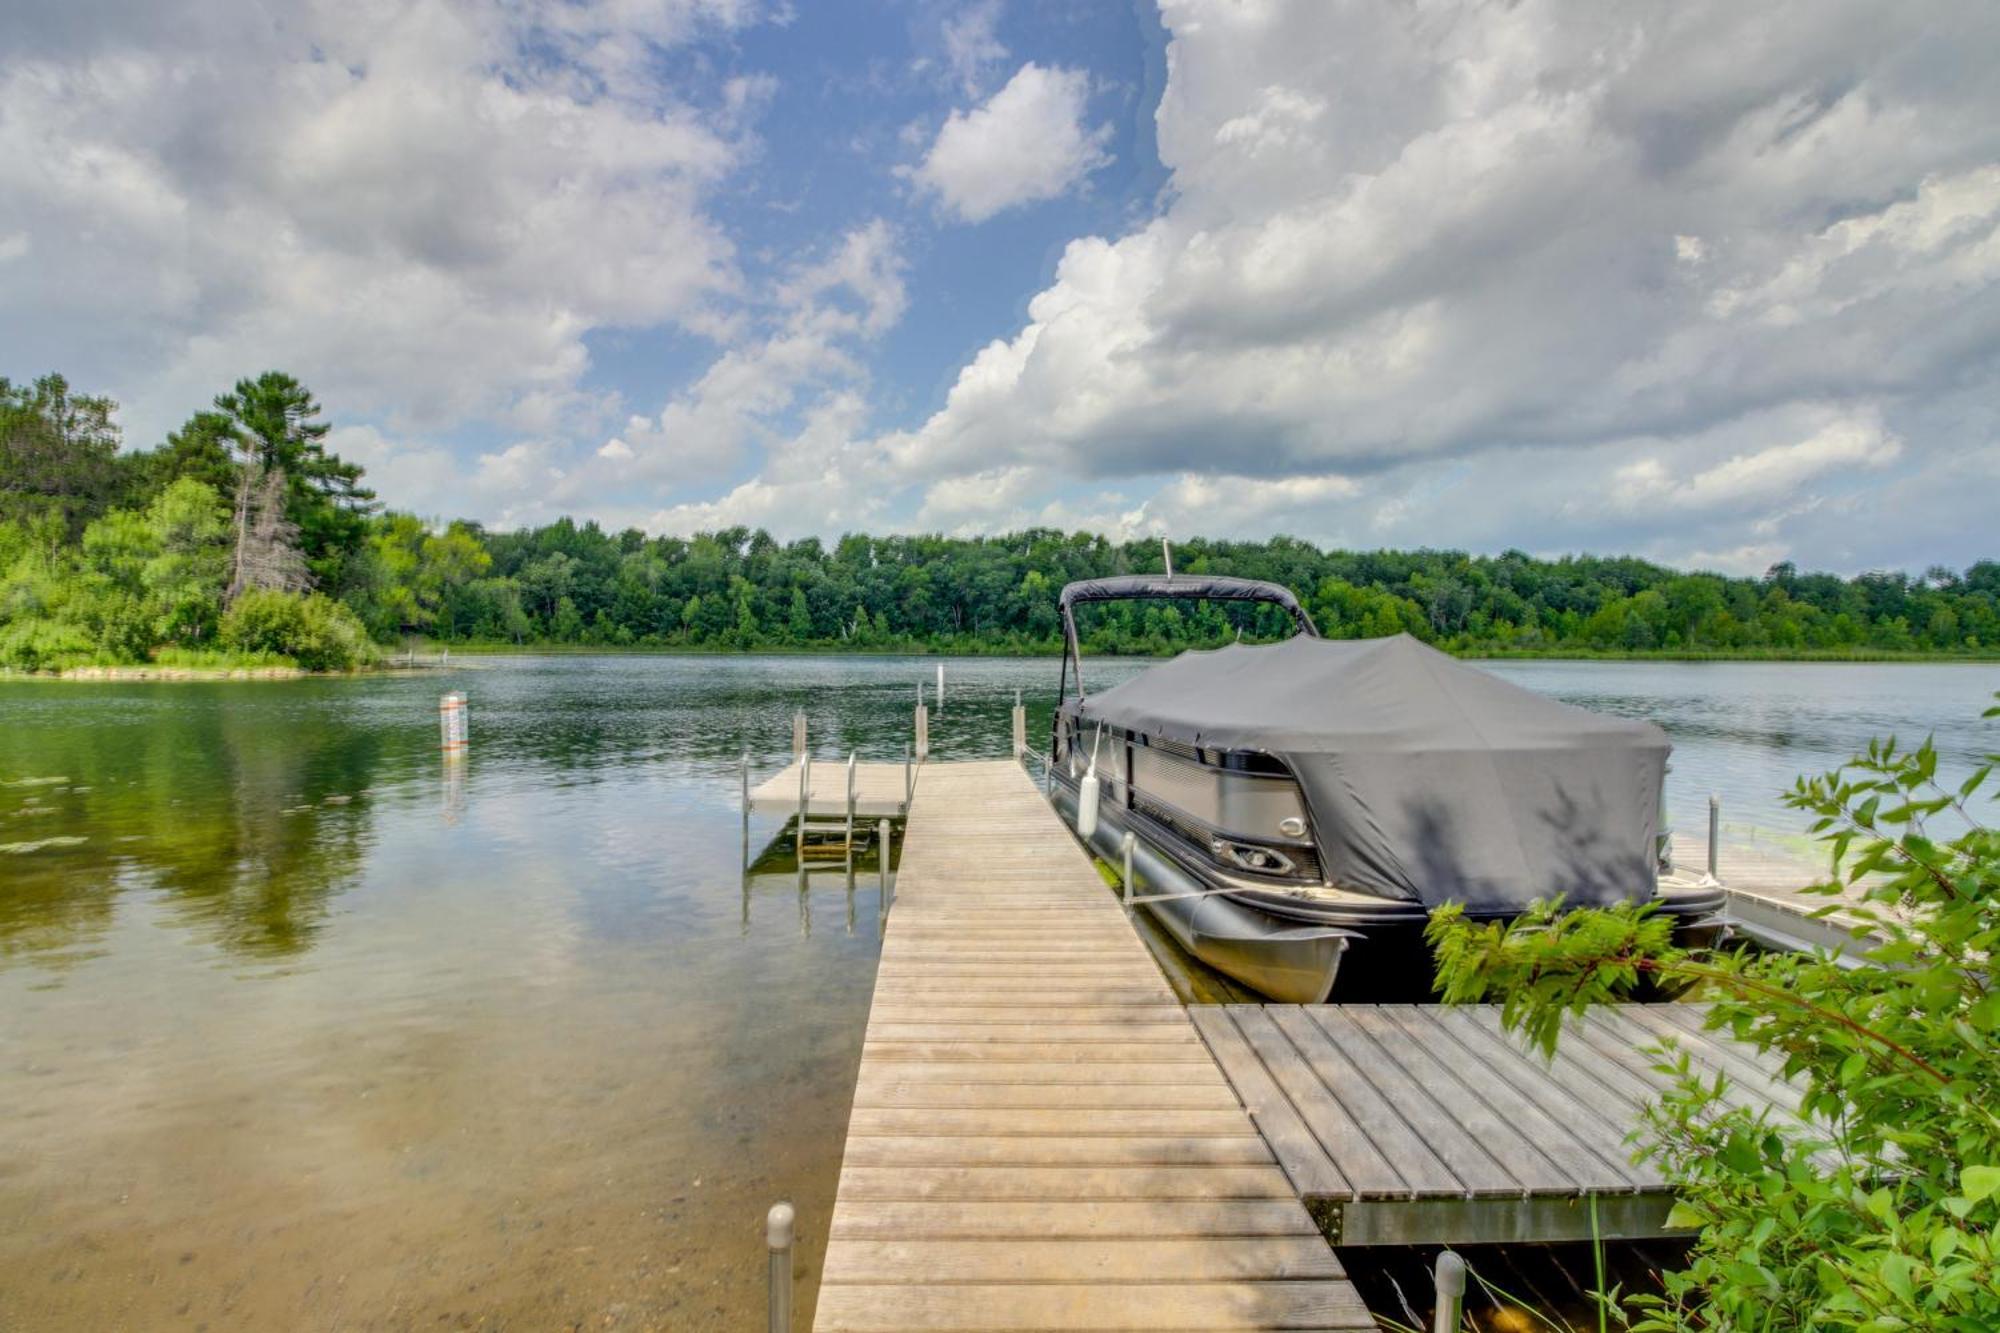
301, 1027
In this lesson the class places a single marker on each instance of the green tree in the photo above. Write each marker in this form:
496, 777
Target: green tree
274, 421
58, 451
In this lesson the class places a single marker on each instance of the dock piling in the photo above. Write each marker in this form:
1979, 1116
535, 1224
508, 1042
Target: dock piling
1125, 848
1714, 834
799, 734
745, 798
940, 689
850, 812
778, 1237
923, 727
805, 801
882, 866
1449, 1275
1020, 727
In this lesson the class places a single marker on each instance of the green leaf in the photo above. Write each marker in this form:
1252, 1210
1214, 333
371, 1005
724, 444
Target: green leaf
1979, 1182
1681, 1217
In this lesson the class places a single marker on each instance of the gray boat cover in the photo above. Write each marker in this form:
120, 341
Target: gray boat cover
1428, 780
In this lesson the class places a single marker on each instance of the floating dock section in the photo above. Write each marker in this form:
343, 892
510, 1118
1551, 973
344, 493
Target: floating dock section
1040, 1139
1430, 1124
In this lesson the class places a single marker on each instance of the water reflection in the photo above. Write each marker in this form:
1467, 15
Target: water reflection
247, 829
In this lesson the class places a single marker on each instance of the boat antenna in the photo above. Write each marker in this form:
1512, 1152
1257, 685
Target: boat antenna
1167, 554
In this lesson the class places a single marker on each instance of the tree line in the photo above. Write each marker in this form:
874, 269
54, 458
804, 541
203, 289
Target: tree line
242, 537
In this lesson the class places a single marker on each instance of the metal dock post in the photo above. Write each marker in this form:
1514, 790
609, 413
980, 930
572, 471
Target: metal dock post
850, 812
805, 800
1125, 847
882, 867
1020, 727
1714, 835
778, 1237
1449, 1275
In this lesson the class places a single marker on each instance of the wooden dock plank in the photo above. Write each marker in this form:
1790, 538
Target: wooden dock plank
1319, 1304
1039, 1136
1239, 1258
1084, 1219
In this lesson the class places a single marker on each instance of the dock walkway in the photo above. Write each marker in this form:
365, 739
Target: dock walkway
879, 790
1040, 1139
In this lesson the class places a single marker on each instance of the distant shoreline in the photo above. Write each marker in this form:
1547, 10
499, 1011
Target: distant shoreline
1051, 654
429, 660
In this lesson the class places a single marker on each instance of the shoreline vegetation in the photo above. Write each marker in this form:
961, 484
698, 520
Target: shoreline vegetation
241, 547
393, 661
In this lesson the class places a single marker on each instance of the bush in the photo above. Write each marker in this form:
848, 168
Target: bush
315, 631
44, 645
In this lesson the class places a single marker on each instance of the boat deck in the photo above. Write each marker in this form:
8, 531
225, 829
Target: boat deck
1040, 1139
1428, 1124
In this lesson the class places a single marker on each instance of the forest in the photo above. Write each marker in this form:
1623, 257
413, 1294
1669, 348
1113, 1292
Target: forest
242, 540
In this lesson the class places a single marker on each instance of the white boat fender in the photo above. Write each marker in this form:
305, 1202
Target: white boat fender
1086, 795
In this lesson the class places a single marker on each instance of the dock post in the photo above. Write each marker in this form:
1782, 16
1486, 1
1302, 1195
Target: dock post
778, 1237
1714, 835
1449, 1274
940, 689
746, 806
923, 729
909, 779
805, 796
850, 812
1020, 727
882, 866
1125, 847
799, 734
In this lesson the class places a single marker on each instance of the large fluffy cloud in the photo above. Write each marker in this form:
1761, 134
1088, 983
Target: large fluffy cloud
1724, 260
1026, 143
420, 207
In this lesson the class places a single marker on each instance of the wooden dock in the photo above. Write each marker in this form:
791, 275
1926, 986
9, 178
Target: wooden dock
1429, 1124
1767, 899
1040, 1139
879, 790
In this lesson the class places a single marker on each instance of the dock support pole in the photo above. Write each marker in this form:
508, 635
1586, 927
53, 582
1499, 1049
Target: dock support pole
923, 732
805, 796
940, 689
746, 807
1449, 1274
1125, 847
1020, 727
778, 1237
799, 734
882, 865
909, 779
850, 812
1714, 834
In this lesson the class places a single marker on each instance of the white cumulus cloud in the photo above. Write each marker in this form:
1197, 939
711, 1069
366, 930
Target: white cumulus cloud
1026, 143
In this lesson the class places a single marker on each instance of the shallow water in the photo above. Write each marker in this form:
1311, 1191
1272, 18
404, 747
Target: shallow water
302, 1027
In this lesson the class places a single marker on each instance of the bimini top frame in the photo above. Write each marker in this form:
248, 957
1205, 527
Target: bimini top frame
1165, 587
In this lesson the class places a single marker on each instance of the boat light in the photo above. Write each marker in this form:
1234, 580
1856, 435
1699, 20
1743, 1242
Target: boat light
1261, 859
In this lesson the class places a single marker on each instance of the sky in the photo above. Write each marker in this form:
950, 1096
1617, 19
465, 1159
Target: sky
1713, 283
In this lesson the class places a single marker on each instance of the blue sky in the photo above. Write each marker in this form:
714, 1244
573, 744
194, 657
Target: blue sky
1713, 284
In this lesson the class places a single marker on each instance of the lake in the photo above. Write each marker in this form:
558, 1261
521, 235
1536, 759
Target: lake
302, 1027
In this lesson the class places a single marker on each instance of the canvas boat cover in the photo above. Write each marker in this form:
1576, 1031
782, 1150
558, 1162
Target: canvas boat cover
1428, 780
